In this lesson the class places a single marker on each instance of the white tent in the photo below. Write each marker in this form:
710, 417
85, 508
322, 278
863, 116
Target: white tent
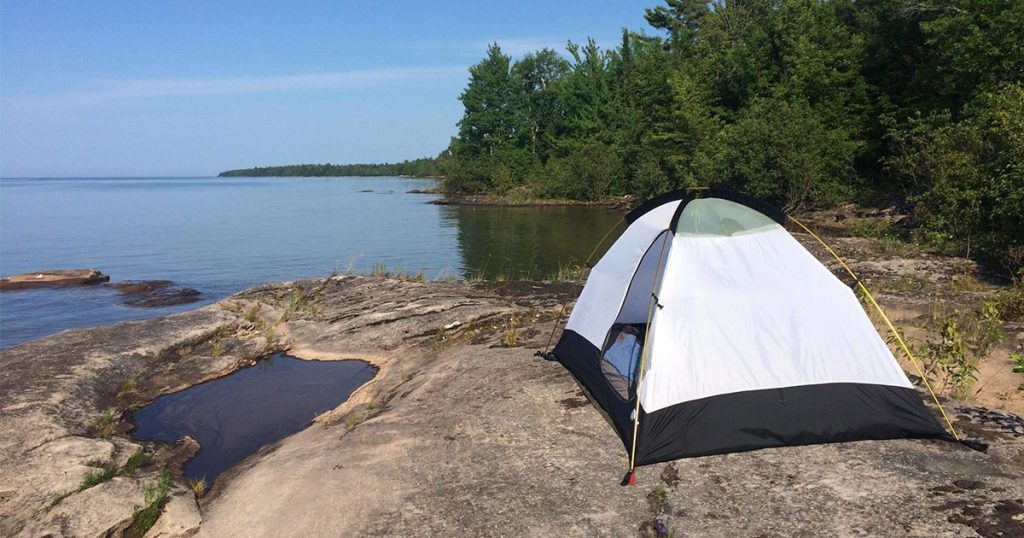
707, 328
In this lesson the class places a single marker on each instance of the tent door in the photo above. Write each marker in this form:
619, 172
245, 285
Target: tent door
624, 342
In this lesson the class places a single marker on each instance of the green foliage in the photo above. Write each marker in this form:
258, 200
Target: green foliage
426, 167
99, 476
805, 103
105, 424
968, 176
1018, 362
782, 152
154, 498
586, 174
96, 477
133, 462
964, 339
1010, 302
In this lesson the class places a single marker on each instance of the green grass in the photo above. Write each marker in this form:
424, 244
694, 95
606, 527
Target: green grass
96, 477
155, 498
127, 387
99, 476
105, 424
134, 462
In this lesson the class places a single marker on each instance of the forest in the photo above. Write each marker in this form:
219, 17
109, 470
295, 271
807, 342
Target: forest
426, 167
804, 103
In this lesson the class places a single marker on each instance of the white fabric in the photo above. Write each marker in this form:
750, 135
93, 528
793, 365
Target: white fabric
606, 287
756, 311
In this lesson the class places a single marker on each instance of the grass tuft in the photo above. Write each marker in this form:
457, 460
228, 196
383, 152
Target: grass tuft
198, 487
99, 476
105, 424
127, 387
155, 498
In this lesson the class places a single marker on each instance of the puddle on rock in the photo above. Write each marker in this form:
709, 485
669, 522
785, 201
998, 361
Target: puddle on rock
232, 417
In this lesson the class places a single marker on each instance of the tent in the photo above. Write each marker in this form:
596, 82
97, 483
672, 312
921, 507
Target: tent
707, 328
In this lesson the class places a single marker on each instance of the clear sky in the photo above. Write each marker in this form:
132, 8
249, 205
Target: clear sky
161, 88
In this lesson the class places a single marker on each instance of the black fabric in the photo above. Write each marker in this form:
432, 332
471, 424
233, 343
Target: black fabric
802, 415
583, 360
661, 199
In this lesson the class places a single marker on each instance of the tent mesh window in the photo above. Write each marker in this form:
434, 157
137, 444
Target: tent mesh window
620, 358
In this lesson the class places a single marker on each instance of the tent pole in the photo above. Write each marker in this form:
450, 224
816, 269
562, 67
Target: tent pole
643, 353
895, 333
576, 285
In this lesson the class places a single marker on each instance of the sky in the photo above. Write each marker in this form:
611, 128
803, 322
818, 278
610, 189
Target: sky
189, 88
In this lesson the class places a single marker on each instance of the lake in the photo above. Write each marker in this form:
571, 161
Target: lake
222, 235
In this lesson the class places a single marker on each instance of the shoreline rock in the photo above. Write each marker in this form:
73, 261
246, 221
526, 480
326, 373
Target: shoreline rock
462, 431
154, 293
53, 278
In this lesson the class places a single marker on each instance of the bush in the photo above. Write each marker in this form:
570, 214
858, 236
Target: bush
782, 152
649, 179
966, 178
586, 174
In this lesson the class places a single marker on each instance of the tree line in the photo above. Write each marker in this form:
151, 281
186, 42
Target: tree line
426, 167
804, 103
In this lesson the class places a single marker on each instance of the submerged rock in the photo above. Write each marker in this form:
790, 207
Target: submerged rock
150, 293
53, 278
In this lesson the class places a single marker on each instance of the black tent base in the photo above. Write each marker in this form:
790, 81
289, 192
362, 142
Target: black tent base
789, 416
752, 420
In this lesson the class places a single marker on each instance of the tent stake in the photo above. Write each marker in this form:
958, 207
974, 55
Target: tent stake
895, 333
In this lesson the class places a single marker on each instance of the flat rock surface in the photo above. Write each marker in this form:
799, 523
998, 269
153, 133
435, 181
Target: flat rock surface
462, 432
53, 278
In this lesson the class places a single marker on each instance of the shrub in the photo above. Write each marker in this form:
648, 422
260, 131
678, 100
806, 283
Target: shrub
782, 152
966, 178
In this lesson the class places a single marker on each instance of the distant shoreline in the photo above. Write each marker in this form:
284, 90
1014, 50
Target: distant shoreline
420, 168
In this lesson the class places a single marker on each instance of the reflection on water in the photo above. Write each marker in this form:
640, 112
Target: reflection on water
528, 242
220, 236
234, 416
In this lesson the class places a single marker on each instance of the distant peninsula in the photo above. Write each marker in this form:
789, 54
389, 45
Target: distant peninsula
425, 167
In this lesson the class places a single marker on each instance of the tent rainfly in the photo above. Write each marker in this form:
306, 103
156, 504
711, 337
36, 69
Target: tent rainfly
707, 328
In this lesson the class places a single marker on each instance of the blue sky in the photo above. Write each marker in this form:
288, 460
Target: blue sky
148, 88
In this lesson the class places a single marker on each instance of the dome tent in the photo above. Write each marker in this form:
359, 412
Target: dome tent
707, 328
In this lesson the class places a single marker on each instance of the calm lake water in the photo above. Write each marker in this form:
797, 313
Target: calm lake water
221, 236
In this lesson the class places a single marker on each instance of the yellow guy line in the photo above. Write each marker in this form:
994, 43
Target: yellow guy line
895, 333
643, 353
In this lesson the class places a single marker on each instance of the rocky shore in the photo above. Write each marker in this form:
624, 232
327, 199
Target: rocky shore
53, 278
462, 432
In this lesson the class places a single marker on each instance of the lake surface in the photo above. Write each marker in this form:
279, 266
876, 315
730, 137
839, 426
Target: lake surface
222, 235
232, 417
